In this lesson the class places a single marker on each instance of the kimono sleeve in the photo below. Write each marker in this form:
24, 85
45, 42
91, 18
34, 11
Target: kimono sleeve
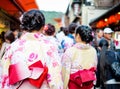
53, 63
5, 63
66, 66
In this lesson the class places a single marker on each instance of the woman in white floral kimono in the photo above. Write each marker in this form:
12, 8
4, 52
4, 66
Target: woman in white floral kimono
31, 55
49, 31
78, 58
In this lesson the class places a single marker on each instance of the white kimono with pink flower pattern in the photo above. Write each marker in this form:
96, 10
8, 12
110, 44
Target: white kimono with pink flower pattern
28, 50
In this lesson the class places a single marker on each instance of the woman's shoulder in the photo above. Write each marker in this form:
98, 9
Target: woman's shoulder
70, 50
92, 48
82, 48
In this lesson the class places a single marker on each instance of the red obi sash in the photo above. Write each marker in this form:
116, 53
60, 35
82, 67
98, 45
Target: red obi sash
82, 79
35, 73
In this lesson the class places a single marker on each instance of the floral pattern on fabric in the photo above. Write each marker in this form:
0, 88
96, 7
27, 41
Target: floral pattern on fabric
57, 43
29, 49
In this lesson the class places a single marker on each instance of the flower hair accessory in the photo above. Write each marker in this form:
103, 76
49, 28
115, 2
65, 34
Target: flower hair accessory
46, 27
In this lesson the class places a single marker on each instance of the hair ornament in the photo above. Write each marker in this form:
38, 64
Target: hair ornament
46, 27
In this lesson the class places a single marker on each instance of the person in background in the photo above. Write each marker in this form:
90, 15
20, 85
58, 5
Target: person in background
99, 35
69, 39
95, 43
108, 36
66, 32
60, 34
79, 57
106, 76
97, 38
15, 32
71, 29
9, 38
49, 31
32, 62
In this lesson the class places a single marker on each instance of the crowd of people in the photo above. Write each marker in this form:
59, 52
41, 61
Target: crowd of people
38, 57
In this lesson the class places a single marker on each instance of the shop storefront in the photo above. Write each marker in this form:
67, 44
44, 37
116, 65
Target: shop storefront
10, 12
7, 22
4, 23
110, 19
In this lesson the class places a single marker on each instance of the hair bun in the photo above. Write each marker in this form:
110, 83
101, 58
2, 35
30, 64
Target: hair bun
32, 20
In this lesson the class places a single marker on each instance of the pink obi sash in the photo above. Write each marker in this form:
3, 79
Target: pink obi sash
82, 79
35, 73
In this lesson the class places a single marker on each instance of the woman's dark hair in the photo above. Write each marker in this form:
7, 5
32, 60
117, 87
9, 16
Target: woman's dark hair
65, 30
50, 29
106, 59
103, 44
9, 36
32, 20
72, 27
85, 33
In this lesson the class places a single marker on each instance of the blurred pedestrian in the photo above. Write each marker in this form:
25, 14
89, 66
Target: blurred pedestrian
32, 62
99, 34
97, 38
9, 38
15, 32
49, 32
106, 76
79, 58
60, 34
108, 36
69, 39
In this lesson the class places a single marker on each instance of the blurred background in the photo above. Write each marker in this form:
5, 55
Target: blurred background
96, 13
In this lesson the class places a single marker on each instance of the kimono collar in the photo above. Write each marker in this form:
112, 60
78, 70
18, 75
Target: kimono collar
82, 46
33, 36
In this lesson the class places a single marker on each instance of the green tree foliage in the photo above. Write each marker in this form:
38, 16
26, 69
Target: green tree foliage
50, 15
